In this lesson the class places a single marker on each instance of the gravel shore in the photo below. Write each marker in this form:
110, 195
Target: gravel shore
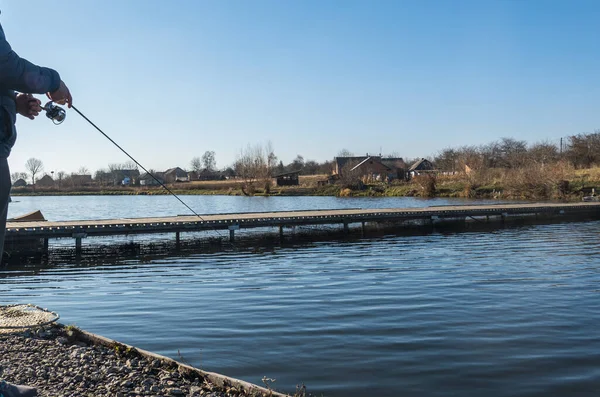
60, 364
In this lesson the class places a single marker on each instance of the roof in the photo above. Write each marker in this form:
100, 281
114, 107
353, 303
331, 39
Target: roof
177, 170
287, 173
342, 161
159, 175
394, 162
376, 160
416, 165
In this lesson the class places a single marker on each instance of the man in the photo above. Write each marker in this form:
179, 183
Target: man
18, 74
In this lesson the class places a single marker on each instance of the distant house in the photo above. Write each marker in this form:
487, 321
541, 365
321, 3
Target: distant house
125, 177
147, 179
209, 175
288, 178
422, 166
344, 164
193, 176
81, 180
176, 175
45, 181
130, 177
20, 183
371, 167
397, 165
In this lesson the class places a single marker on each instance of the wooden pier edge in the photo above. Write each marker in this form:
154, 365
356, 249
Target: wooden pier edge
31, 233
215, 378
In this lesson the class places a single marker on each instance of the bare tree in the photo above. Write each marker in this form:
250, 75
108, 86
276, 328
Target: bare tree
83, 170
116, 172
34, 166
447, 159
129, 165
514, 152
349, 178
15, 176
255, 165
196, 165
297, 164
345, 153
271, 158
543, 153
102, 176
583, 150
208, 161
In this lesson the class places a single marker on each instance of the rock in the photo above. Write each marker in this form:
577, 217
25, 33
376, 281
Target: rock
58, 368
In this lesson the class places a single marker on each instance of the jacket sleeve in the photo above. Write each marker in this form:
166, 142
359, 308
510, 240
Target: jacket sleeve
21, 75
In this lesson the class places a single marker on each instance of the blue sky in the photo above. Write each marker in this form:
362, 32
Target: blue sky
169, 80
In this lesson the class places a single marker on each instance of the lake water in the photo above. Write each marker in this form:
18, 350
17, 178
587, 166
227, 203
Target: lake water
513, 311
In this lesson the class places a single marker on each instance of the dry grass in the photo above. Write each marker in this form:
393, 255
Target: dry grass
426, 184
312, 180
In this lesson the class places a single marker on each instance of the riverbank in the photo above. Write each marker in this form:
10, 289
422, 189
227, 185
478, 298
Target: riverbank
64, 361
530, 184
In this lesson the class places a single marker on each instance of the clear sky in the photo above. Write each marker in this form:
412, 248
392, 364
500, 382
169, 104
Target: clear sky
169, 80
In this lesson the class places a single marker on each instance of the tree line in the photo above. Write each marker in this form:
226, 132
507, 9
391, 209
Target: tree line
253, 163
580, 151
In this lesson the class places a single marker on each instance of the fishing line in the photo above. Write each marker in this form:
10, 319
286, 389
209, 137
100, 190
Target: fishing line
58, 115
135, 161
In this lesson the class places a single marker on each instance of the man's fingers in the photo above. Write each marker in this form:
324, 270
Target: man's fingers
69, 99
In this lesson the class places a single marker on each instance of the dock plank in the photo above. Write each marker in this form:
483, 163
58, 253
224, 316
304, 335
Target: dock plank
182, 223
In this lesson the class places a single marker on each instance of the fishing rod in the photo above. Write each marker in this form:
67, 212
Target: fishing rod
58, 115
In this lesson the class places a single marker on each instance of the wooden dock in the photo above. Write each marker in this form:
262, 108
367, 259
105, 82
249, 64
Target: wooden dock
231, 222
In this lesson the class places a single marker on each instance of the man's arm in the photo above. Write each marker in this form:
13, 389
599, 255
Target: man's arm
21, 75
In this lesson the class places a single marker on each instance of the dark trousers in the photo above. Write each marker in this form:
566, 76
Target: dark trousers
4, 199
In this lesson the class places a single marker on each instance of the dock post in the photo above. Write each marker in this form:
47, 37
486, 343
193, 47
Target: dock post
177, 240
504, 215
363, 229
346, 228
78, 245
281, 233
46, 245
232, 229
78, 237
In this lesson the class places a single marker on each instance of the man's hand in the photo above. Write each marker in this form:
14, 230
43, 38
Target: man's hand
28, 106
61, 96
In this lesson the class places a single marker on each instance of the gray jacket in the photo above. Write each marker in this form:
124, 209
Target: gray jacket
18, 74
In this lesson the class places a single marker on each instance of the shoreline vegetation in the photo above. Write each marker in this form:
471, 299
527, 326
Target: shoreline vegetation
556, 182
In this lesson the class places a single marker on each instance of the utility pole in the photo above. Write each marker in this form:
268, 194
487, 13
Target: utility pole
561, 146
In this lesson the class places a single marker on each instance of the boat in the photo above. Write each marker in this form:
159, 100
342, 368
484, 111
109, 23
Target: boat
35, 216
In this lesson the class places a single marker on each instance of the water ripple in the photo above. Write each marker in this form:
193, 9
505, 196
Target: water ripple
504, 313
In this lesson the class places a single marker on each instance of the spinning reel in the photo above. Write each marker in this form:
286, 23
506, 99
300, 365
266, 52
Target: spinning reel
55, 112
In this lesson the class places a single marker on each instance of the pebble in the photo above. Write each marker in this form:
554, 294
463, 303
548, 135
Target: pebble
59, 366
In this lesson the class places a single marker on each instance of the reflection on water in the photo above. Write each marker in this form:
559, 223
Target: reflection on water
506, 312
